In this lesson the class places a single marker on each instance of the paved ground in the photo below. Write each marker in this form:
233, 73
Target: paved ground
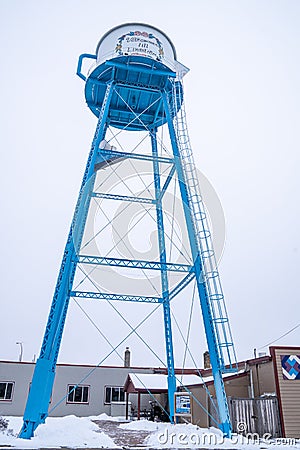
122, 438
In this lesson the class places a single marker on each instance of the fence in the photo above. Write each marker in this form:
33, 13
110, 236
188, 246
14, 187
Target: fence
255, 415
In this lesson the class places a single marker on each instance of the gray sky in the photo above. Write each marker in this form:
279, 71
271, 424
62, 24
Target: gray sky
242, 100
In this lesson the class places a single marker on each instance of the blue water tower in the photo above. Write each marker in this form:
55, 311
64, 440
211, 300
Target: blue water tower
134, 84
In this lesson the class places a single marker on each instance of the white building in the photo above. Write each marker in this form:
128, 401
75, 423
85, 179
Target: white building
97, 388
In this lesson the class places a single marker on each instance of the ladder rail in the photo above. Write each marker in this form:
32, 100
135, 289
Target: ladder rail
203, 236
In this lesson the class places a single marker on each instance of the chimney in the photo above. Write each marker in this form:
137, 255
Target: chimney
206, 359
127, 357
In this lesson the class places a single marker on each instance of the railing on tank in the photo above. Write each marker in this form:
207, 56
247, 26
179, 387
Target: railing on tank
107, 56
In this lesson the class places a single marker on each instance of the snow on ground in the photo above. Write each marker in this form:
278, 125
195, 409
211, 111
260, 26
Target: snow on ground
69, 431
81, 432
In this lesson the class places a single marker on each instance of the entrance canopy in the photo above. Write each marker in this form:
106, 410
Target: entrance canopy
140, 383
156, 383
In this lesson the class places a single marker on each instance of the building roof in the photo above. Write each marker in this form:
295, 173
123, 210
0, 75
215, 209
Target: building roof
140, 382
229, 375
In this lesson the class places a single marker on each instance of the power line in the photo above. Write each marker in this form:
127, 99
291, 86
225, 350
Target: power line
283, 335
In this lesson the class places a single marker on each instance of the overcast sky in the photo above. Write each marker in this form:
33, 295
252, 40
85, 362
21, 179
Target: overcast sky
242, 100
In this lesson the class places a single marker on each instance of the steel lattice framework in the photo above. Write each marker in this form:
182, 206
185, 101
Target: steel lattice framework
158, 94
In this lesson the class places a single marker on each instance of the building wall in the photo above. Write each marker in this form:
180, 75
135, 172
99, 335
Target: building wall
239, 386
199, 416
263, 378
288, 390
20, 374
235, 387
99, 377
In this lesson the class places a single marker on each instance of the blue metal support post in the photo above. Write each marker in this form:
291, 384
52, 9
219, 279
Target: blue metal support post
225, 423
164, 278
42, 383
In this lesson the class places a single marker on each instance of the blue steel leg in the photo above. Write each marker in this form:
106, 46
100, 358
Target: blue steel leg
225, 424
164, 278
43, 378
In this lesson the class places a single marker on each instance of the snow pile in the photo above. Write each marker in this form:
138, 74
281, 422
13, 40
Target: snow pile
104, 416
142, 425
69, 431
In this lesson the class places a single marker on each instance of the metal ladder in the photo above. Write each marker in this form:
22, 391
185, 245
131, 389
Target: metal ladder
204, 237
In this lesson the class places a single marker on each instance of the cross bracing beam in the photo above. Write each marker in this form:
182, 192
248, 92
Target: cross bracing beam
115, 154
182, 284
120, 297
167, 182
156, 115
135, 264
126, 198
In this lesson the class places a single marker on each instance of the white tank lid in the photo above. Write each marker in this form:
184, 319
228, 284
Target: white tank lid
138, 39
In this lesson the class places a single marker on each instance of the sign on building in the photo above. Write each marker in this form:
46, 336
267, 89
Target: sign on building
183, 407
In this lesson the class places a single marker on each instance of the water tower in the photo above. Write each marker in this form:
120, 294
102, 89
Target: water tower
134, 85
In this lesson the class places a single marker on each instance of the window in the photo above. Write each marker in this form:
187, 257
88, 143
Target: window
78, 394
114, 394
6, 391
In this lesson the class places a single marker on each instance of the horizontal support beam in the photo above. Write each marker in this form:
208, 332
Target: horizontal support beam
140, 115
126, 198
125, 84
135, 264
115, 154
119, 297
137, 86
